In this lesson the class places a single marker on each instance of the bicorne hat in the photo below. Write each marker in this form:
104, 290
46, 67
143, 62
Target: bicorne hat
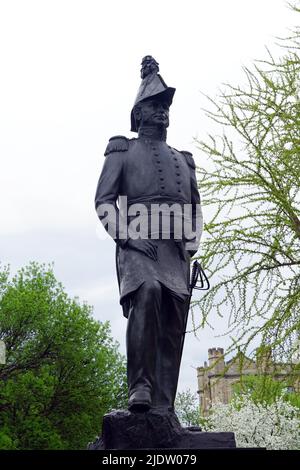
152, 85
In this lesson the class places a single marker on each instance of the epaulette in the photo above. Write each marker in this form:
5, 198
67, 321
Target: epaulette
118, 143
189, 158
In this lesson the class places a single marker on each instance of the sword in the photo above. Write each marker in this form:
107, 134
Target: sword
197, 272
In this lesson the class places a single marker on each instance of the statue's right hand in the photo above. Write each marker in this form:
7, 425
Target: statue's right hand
147, 247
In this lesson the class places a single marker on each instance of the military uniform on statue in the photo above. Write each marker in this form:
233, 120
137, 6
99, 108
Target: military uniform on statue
154, 288
144, 177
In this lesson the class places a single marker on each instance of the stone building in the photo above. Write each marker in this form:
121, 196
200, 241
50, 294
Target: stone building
216, 379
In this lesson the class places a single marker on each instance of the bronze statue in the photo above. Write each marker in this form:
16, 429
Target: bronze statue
153, 271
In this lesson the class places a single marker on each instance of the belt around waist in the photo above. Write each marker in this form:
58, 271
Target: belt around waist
149, 202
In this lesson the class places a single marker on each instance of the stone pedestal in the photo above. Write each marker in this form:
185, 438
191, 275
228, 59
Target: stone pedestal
155, 430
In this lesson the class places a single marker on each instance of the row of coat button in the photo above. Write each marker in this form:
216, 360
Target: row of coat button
178, 181
161, 178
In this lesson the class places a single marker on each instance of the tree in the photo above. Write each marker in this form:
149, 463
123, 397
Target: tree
187, 408
274, 426
264, 389
63, 369
250, 190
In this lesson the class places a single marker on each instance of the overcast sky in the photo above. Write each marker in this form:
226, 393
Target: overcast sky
69, 76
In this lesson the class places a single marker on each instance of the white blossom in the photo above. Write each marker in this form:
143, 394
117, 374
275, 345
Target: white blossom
273, 426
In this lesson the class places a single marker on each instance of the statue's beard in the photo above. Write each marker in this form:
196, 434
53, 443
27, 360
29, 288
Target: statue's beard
161, 123
153, 123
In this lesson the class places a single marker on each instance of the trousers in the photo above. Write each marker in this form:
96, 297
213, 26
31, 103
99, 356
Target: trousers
154, 340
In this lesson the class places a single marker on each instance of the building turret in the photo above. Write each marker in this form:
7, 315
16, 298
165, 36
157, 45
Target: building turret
216, 360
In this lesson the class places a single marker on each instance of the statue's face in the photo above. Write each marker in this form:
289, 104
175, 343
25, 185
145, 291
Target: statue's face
153, 112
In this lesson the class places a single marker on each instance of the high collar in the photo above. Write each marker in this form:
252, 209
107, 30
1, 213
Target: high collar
155, 133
